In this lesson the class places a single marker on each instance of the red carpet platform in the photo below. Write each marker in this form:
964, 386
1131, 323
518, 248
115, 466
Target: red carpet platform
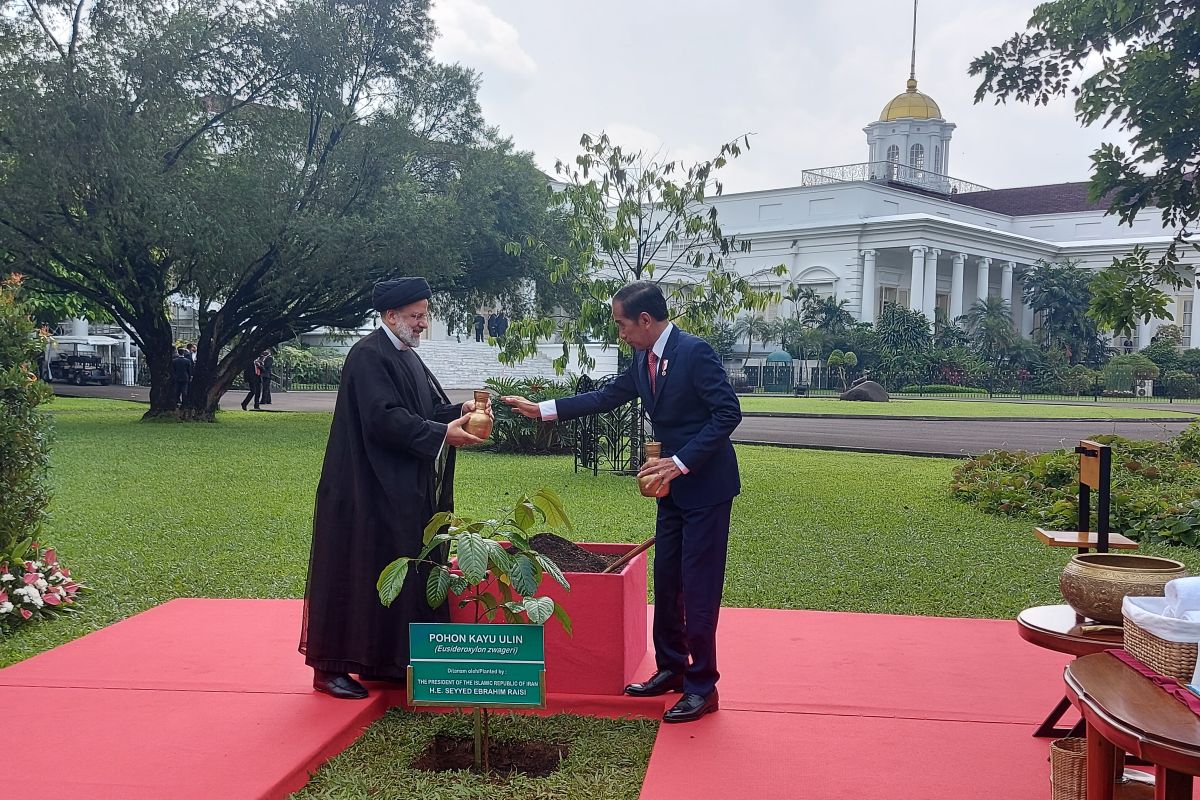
209, 699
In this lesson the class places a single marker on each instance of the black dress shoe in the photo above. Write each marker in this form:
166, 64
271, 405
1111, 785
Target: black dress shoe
692, 707
339, 685
660, 682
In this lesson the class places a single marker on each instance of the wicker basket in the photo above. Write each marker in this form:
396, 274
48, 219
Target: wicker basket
1068, 769
1173, 659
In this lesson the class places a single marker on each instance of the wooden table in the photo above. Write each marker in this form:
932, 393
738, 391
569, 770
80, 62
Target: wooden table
1060, 629
1126, 712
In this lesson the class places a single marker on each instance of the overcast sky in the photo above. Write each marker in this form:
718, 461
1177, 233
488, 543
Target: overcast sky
802, 77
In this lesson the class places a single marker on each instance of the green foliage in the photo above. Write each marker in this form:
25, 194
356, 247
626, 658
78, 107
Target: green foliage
513, 433
498, 571
1137, 365
1156, 487
1060, 295
722, 339
308, 365
1128, 290
941, 388
268, 161
630, 216
1177, 383
24, 431
1163, 349
1127, 63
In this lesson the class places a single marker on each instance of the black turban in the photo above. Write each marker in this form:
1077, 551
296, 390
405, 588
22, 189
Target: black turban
399, 292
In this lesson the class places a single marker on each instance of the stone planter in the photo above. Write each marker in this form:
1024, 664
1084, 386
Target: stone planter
608, 616
1095, 583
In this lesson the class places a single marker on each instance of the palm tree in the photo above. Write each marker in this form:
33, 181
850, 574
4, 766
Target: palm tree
832, 316
753, 326
990, 327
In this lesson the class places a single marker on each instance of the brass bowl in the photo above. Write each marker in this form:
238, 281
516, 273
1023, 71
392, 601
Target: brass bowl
1095, 583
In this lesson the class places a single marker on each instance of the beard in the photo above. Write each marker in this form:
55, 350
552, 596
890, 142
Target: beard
405, 333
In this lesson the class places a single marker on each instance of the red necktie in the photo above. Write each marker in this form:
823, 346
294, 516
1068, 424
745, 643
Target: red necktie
652, 366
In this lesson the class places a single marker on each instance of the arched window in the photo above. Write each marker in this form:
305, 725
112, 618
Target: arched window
893, 157
937, 160
916, 157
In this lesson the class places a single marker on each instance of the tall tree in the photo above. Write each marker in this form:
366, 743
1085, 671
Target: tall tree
634, 216
265, 161
1132, 63
1061, 295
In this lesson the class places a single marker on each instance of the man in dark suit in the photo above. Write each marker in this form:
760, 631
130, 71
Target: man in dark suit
693, 410
181, 375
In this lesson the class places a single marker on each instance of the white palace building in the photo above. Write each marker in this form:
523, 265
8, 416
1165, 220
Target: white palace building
897, 228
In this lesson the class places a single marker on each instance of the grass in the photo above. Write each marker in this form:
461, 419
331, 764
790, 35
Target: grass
927, 407
146, 512
607, 760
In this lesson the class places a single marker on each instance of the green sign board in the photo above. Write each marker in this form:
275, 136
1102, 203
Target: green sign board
457, 664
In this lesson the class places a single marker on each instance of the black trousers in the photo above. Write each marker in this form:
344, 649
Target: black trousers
253, 394
689, 573
179, 390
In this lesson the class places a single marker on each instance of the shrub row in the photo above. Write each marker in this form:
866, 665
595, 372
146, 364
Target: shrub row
1155, 495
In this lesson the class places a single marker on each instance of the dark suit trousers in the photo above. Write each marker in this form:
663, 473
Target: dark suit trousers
689, 572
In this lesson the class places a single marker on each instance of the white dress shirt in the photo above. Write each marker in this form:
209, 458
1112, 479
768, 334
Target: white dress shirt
549, 410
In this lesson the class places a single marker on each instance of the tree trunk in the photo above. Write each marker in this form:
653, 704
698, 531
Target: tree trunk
162, 403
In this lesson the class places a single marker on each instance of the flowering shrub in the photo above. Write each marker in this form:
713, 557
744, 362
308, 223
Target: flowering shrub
36, 587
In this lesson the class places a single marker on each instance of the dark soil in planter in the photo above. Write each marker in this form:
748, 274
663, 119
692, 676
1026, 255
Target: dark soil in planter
569, 556
535, 759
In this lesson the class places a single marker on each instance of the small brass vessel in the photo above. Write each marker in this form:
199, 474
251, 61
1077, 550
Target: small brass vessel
480, 422
648, 485
1094, 584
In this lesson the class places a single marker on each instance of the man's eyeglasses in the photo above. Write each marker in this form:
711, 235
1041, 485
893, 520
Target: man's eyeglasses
415, 317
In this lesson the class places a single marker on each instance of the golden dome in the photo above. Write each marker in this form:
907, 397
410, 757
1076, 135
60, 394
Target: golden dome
911, 105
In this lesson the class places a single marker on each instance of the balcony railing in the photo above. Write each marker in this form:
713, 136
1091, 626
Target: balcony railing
890, 172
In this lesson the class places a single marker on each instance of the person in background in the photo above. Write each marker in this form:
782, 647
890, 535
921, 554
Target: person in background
268, 373
253, 376
479, 327
192, 352
181, 375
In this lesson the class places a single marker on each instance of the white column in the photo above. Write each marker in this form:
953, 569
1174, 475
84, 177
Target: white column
916, 289
1006, 281
930, 301
1143, 333
981, 278
956, 286
1195, 329
867, 312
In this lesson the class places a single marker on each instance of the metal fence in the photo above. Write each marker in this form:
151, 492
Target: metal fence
824, 382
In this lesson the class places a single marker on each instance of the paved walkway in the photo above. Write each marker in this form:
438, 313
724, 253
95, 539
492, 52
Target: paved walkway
953, 438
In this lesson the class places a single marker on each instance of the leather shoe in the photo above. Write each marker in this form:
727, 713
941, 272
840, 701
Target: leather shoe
660, 682
339, 685
692, 707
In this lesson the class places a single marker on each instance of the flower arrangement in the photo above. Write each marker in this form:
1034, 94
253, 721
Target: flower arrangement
37, 586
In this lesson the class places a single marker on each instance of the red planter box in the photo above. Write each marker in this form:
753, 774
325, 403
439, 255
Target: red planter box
608, 616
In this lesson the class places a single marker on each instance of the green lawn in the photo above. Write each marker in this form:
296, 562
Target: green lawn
929, 407
144, 513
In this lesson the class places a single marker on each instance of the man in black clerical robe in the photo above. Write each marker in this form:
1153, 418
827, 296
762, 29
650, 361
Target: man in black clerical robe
389, 466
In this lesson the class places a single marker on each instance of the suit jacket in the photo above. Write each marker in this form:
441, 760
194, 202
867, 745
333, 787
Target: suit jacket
181, 369
693, 409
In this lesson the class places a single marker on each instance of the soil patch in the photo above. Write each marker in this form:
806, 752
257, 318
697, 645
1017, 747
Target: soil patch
535, 759
569, 556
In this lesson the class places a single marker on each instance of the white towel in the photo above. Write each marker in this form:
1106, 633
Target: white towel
1182, 595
